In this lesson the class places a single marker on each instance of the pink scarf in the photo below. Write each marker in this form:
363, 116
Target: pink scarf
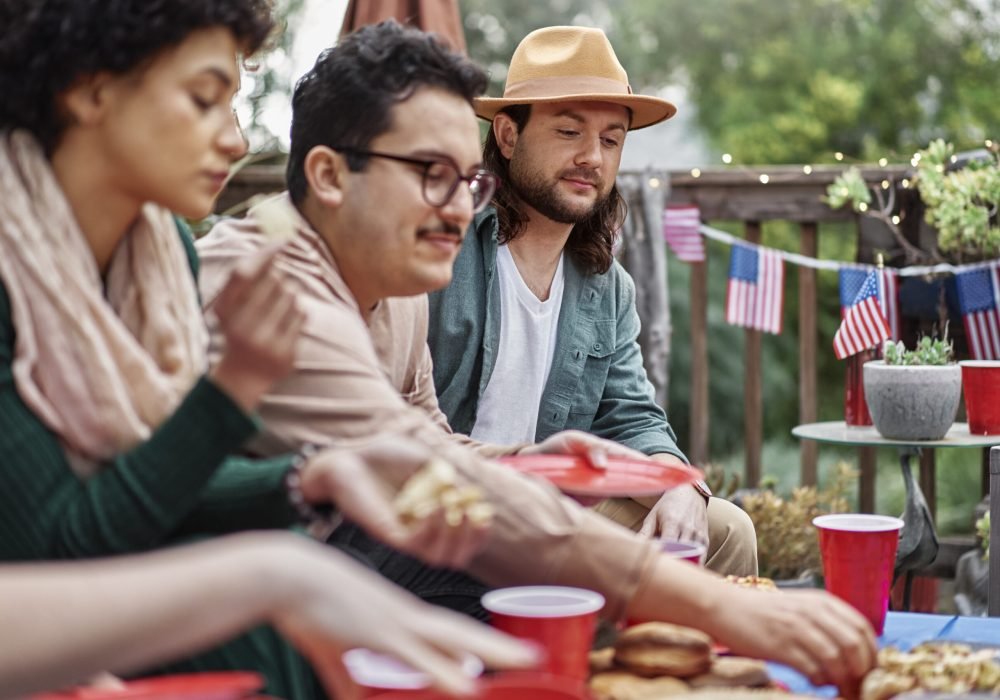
101, 366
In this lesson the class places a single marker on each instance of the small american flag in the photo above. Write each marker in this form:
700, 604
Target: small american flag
863, 325
756, 290
681, 231
979, 300
851, 279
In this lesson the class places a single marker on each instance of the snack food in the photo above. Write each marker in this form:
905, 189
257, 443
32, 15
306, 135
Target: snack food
941, 667
733, 672
759, 582
662, 649
274, 219
622, 685
601, 660
435, 486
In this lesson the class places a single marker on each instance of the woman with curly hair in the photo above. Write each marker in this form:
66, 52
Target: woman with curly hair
114, 437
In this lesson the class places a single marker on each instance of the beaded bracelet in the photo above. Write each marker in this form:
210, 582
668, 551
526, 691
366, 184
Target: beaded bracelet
312, 516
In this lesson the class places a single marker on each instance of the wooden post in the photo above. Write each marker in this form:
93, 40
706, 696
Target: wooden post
753, 396
866, 483
808, 449
994, 586
698, 449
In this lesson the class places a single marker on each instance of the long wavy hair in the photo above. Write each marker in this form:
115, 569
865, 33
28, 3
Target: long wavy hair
590, 242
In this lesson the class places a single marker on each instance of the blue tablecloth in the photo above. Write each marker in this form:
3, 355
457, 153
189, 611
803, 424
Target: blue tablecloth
904, 631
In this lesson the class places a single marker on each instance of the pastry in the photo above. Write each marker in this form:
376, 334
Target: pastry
733, 672
601, 660
661, 649
622, 685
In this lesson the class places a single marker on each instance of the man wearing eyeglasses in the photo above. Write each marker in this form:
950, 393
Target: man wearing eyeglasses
384, 176
537, 332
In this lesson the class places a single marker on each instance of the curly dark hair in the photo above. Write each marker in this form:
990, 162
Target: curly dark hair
346, 99
590, 242
48, 45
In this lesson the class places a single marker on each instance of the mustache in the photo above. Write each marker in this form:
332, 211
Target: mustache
585, 174
443, 227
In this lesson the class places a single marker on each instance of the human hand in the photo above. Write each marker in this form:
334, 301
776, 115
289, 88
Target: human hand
576, 442
261, 321
363, 483
812, 631
680, 513
330, 603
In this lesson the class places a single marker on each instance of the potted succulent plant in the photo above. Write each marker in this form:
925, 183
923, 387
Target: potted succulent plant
914, 394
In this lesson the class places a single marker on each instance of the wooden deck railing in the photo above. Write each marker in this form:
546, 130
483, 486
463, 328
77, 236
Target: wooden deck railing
788, 193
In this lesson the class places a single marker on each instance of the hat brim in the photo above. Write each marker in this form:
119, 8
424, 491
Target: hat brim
646, 110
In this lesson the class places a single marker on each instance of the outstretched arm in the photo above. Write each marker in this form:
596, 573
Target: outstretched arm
63, 622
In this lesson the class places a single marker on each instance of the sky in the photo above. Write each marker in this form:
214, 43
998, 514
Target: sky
315, 30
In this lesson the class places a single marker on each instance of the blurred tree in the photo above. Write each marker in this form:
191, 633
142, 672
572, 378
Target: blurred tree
268, 78
795, 81
493, 29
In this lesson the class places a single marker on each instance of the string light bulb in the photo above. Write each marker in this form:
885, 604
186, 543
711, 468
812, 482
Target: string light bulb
764, 178
807, 169
885, 184
895, 219
727, 158
838, 156
905, 183
695, 172
883, 162
862, 206
654, 182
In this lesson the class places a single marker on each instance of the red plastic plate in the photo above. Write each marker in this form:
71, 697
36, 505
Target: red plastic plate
623, 477
193, 686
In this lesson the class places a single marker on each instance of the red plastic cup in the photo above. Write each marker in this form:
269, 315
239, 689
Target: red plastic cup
859, 552
560, 619
683, 549
379, 673
981, 386
510, 686
678, 549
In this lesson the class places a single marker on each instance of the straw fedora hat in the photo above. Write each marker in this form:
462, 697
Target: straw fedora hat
564, 64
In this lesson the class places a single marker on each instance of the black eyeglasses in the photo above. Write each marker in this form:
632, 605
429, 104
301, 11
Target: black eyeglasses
441, 178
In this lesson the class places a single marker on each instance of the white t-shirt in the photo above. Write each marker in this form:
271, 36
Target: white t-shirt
508, 408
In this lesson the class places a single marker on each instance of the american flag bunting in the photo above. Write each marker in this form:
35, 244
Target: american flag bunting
851, 279
756, 290
863, 326
979, 301
681, 226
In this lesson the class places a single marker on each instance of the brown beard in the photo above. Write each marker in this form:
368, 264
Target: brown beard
543, 196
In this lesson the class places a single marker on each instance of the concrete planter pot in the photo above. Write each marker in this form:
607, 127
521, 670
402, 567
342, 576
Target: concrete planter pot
912, 402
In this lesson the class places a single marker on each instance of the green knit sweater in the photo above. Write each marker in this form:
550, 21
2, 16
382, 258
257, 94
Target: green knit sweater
179, 483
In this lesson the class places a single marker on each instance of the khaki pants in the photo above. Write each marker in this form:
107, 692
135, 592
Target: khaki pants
732, 541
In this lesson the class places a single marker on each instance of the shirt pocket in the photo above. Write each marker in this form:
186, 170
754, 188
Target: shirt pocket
596, 355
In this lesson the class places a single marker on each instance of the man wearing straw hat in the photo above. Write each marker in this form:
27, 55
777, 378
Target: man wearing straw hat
537, 331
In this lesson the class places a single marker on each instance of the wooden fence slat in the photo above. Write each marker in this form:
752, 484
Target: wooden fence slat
698, 449
753, 396
808, 449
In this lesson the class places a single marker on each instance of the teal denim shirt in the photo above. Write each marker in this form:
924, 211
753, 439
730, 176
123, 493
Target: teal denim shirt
597, 382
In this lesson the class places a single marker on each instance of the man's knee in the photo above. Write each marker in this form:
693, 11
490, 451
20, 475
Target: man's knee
732, 540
